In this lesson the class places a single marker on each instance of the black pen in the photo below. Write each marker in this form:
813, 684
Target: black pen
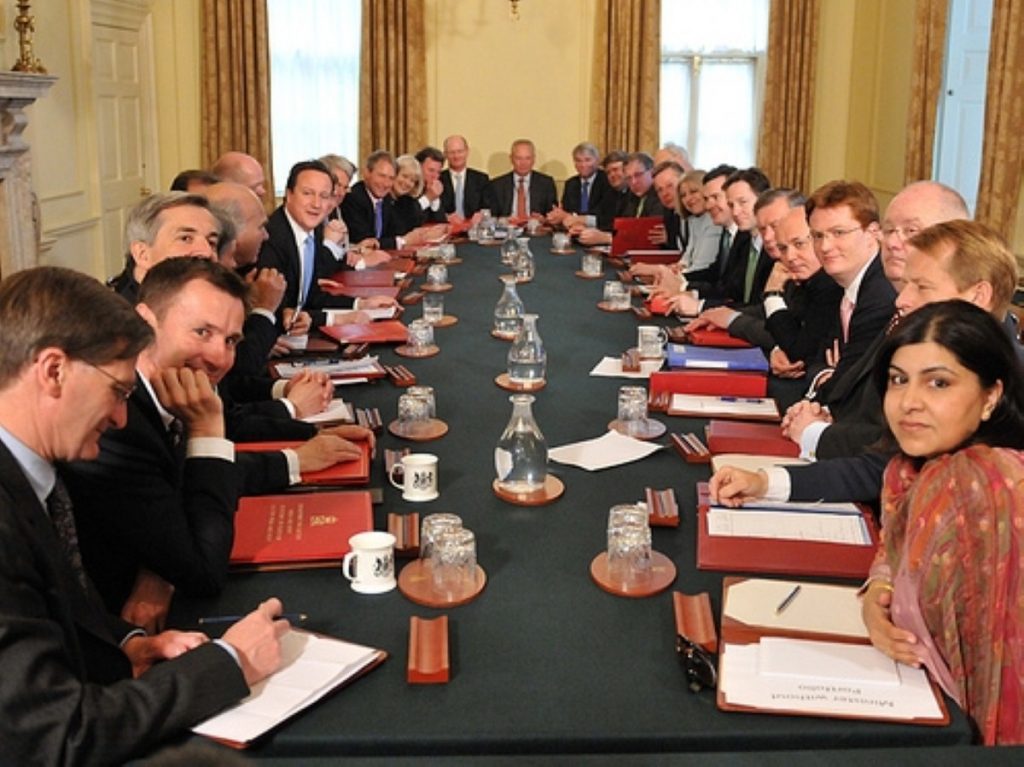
788, 600
290, 617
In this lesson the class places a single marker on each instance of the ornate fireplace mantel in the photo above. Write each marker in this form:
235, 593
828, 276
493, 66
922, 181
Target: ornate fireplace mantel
19, 218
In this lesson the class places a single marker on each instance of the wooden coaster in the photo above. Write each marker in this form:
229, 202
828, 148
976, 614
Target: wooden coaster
446, 321
650, 429
584, 276
552, 491
508, 384
503, 336
419, 431
443, 287
660, 577
407, 351
604, 306
416, 582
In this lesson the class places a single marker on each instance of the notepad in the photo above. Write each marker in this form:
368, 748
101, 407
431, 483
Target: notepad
332, 367
707, 406
822, 527
337, 411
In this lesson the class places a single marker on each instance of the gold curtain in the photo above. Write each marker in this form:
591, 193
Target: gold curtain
392, 79
784, 146
1002, 155
236, 81
925, 87
627, 61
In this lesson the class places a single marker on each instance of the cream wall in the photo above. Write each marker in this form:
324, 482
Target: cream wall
495, 80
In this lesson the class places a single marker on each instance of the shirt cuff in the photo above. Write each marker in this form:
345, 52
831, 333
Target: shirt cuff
210, 447
732, 317
229, 650
277, 390
779, 487
294, 477
133, 633
336, 250
269, 315
773, 304
810, 438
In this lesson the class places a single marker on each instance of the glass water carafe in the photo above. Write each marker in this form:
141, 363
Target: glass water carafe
521, 457
508, 312
527, 359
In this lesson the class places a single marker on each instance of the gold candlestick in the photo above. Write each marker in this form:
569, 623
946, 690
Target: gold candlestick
26, 25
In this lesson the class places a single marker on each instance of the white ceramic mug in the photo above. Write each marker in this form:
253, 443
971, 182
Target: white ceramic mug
373, 553
419, 477
651, 340
560, 240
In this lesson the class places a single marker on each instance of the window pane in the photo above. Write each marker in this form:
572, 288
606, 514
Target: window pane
314, 80
725, 109
675, 103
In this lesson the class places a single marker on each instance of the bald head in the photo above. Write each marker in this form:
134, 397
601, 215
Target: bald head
245, 209
243, 169
916, 207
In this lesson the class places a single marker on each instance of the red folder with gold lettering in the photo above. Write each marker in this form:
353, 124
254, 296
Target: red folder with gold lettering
298, 530
716, 382
383, 332
348, 473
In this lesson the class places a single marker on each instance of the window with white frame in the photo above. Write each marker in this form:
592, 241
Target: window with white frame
314, 81
712, 75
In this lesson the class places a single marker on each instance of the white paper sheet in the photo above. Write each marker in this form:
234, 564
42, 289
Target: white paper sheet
856, 694
819, 608
337, 410
796, 526
312, 667
709, 406
611, 367
381, 312
331, 367
613, 449
749, 462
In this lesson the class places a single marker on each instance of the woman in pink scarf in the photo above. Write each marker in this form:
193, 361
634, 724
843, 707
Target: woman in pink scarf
946, 588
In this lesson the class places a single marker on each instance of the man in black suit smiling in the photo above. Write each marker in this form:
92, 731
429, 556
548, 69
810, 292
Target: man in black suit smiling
523, 191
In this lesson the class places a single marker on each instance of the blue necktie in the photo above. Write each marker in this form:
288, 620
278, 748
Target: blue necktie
585, 197
308, 265
378, 218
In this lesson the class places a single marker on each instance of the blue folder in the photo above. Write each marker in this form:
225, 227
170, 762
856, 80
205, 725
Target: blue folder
710, 358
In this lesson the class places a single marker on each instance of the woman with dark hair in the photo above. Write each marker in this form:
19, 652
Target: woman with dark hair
946, 588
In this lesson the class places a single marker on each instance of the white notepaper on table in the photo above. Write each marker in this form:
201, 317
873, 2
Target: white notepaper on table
329, 366
381, 312
819, 608
337, 410
613, 449
710, 406
611, 367
796, 526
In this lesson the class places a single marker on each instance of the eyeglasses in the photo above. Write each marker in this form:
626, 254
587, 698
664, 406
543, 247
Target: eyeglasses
124, 393
835, 234
903, 232
698, 664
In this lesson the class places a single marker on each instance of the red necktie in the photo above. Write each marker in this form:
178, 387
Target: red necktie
521, 199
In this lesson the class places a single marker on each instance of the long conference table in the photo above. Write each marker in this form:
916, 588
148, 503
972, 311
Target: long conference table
543, 662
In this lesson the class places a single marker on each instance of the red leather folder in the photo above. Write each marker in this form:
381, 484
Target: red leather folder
653, 256
715, 337
743, 437
633, 233
362, 291
351, 278
274, 532
383, 332
766, 555
716, 382
348, 473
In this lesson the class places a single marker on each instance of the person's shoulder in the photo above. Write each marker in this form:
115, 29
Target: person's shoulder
978, 465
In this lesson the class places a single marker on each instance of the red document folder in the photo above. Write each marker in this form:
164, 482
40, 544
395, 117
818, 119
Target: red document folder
716, 382
766, 555
383, 332
298, 530
365, 277
715, 337
348, 473
653, 256
361, 291
754, 438
633, 233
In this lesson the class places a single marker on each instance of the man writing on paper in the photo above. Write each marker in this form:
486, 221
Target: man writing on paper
67, 358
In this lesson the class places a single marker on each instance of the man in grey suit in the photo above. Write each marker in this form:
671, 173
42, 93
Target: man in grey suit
523, 191
80, 686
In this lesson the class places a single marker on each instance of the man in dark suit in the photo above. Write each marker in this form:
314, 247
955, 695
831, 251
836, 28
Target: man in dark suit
68, 696
157, 506
463, 187
523, 191
585, 191
431, 161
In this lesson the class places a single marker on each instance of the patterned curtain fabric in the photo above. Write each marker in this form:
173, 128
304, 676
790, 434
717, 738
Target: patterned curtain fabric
392, 81
1002, 156
784, 146
925, 86
236, 81
627, 61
